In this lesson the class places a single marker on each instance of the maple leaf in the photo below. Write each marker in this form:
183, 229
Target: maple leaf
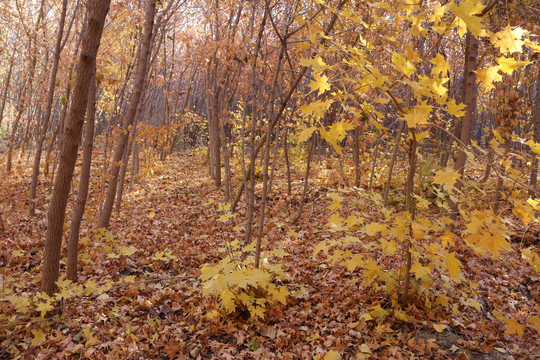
457, 110
509, 40
447, 238
535, 322
379, 312
439, 327
488, 77
306, 134
420, 271
317, 63
337, 133
532, 258
317, 108
357, 260
371, 271
418, 115
39, 337
416, 26
509, 65
332, 355
453, 265
441, 65
447, 178
281, 295
467, 11
484, 242
320, 83
402, 65
44, 307
535, 147
473, 303
257, 311
513, 327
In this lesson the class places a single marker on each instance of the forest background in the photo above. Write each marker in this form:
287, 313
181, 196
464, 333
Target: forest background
269, 179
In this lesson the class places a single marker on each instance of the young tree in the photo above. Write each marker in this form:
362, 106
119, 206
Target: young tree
97, 12
144, 56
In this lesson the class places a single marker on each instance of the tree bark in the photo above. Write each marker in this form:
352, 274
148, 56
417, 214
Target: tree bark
6, 86
78, 212
534, 168
146, 47
42, 133
97, 10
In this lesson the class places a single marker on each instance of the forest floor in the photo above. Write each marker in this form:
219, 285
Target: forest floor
172, 219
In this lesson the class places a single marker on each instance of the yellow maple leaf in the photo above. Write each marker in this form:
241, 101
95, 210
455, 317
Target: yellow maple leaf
488, 76
457, 110
336, 133
332, 355
447, 178
531, 257
39, 337
371, 271
420, 271
473, 303
418, 115
484, 242
357, 260
535, 147
509, 40
468, 11
379, 312
317, 108
306, 134
320, 83
509, 65
416, 26
441, 65
439, 327
513, 327
535, 322
447, 238
402, 65
316, 63
524, 211
281, 295
257, 311
453, 265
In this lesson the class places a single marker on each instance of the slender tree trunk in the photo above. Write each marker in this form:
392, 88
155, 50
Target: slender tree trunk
6, 86
146, 48
59, 128
375, 156
534, 168
469, 98
125, 162
42, 132
356, 156
409, 192
78, 212
306, 178
393, 161
97, 11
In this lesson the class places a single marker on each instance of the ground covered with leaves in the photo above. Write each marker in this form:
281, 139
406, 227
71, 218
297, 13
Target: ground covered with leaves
140, 294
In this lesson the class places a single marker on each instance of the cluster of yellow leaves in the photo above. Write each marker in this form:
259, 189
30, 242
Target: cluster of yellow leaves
485, 233
240, 287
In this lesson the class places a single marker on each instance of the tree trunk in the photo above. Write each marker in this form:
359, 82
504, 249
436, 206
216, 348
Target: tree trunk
97, 11
469, 98
534, 168
469, 88
78, 212
6, 86
114, 171
42, 133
